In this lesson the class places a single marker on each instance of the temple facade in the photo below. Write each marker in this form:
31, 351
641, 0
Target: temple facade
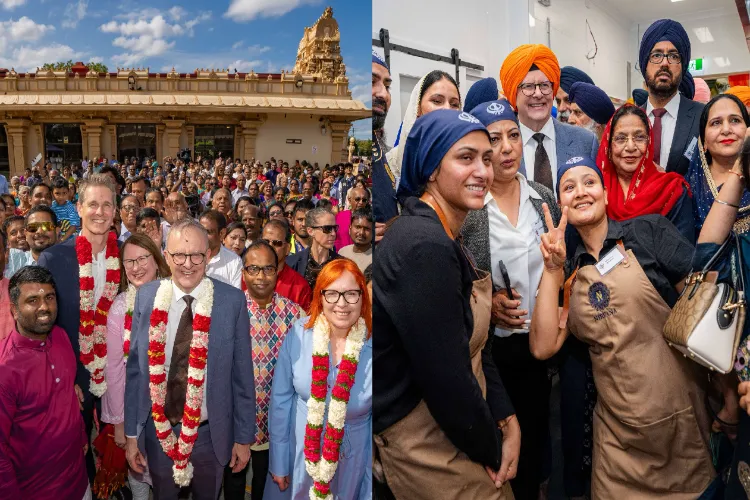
305, 114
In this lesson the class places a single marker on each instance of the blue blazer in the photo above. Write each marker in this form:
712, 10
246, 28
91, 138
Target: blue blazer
62, 262
570, 141
230, 379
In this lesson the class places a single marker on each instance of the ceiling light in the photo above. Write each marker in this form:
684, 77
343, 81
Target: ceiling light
673, 1
704, 35
722, 62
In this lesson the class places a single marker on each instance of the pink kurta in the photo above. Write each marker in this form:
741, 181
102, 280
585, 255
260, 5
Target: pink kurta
6, 318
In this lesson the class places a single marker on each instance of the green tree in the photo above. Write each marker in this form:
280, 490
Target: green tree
364, 147
66, 66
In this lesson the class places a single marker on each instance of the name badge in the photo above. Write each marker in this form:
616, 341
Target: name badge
691, 148
610, 260
538, 229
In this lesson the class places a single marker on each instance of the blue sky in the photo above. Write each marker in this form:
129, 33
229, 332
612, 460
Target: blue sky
262, 35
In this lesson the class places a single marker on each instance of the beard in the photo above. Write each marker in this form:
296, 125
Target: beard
378, 119
662, 90
563, 116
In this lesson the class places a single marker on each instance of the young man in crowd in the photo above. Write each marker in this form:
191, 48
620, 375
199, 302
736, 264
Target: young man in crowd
360, 231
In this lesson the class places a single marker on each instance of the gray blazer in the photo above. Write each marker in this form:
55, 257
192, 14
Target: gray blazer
231, 384
570, 141
476, 228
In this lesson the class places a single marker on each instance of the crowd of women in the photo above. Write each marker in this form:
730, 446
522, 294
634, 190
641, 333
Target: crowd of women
522, 253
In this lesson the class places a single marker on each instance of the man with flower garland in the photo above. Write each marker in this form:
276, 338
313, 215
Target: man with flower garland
190, 393
86, 269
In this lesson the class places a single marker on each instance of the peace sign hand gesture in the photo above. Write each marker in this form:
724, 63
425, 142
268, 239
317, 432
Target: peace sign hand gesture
553, 241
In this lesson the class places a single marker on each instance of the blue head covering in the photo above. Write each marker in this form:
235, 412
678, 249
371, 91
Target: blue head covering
494, 111
687, 86
640, 97
481, 91
667, 30
577, 161
429, 140
593, 101
379, 60
570, 75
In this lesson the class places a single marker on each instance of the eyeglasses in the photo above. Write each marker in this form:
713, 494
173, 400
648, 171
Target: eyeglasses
327, 229
274, 243
33, 227
129, 208
529, 89
274, 214
359, 200
131, 263
254, 270
180, 258
333, 296
289, 213
658, 57
622, 140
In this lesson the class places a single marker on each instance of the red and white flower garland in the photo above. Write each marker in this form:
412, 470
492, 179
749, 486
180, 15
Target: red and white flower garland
179, 449
323, 470
92, 337
129, 305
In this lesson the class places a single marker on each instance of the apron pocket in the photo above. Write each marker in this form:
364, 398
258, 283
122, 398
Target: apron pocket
666, 456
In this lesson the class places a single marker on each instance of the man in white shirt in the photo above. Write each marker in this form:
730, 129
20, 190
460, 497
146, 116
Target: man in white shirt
240, 190
545, 140
224, 265
664, 57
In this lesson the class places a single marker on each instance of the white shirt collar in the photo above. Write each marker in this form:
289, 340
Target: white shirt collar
178, 294
672, 107
526, 192
216, 258
528, 135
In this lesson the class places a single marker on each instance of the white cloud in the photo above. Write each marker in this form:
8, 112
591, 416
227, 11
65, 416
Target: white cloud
28, 58
96, 59
11, 4
247, 10
245, 66
74, 12
362, 93
24, 29
237, 45
148, 33
258, 49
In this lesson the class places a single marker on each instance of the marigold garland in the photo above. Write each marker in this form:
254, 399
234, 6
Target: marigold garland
127, 331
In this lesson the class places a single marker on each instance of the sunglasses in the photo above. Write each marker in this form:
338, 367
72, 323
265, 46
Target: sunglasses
274, 243
289, 213
358, 200
334, 228
33, 227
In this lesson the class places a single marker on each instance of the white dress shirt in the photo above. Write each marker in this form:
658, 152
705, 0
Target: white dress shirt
668, 124
226, 266
175, 313
518, 248
237, 194
529, 149
99, 272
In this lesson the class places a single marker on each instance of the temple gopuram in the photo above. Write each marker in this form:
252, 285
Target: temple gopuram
305, 114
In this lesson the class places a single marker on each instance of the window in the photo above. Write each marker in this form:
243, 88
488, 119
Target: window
136, 140
210, 140
63, 143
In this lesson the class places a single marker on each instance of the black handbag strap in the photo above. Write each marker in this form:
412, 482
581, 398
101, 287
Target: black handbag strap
722, 249
740, 264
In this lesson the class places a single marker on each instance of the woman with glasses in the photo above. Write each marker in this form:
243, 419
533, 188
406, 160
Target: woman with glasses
235, 238
436, 90
324, 355
635, 184
141, 261
444, 426
294, 192
322, 228
723, 125
276, 211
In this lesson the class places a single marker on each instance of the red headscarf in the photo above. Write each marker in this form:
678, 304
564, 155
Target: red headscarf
651, 191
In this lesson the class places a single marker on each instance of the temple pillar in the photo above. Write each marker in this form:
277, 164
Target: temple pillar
17, 130
339, 133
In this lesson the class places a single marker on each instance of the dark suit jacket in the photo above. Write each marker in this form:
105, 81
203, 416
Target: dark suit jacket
569, 141
231, 384
62, 262
298, 261
686, 128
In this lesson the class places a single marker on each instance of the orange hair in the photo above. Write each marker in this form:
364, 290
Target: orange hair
330, 273
518, 63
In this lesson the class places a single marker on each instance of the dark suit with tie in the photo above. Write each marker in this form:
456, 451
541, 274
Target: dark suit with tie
230, 392
686, 129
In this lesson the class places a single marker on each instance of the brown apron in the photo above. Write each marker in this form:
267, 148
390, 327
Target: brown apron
651, 428
418, 459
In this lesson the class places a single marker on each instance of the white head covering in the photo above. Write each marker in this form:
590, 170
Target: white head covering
396, 155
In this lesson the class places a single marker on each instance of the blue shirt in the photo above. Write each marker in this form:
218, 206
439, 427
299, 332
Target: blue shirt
66, 212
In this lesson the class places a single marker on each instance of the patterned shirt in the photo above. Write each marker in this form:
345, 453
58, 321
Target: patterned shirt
268, 327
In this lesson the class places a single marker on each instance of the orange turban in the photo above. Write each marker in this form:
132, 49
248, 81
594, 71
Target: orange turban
518, 63
742, 92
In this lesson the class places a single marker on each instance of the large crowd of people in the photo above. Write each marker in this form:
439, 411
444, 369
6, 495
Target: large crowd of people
533, 236
165, 328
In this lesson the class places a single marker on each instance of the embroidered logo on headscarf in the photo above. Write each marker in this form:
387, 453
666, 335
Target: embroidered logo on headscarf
599, 296
467, 118
573, 160
495, 109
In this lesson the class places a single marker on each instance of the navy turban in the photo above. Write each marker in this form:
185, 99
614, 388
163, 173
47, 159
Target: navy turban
687, 86
640, 97
666, 30
429, 140
379, 60
593, 101
494, 111
570, 75
481, 91
577, 161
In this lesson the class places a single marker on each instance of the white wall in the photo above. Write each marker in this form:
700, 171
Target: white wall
272, 136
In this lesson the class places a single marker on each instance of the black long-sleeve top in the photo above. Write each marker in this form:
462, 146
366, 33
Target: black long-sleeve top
422, 285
